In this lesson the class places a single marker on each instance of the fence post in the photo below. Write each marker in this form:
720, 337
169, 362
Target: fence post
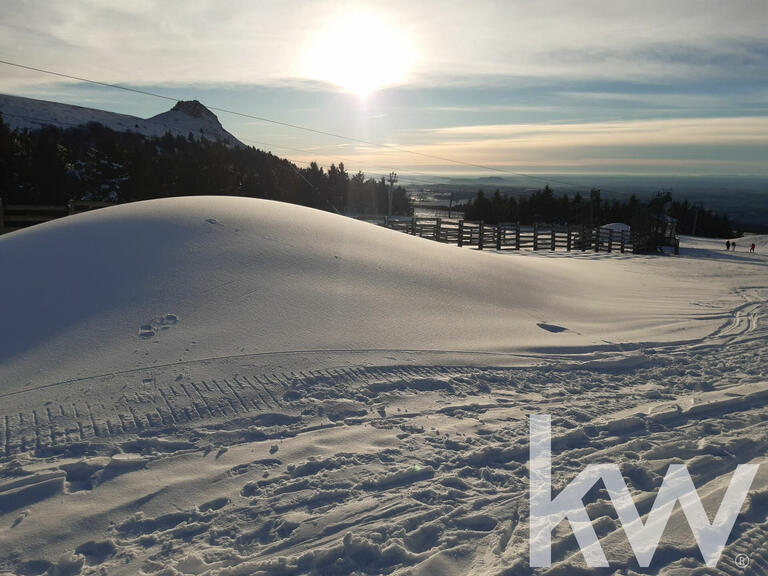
499, 232
553, 239
71, 207
597, 239
568, 240
622, 241
413, 226
461, 233
535, 237
610, 240
2, 217
437, 230
517, 236
481, 235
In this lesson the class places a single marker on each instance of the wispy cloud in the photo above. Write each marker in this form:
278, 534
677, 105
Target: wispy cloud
174, 41
713, 144
678, 131
518, 83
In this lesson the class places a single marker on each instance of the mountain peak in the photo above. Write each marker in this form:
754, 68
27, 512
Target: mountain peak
185, 118
193, 108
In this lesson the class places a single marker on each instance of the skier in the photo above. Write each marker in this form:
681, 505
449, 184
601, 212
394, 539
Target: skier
752, 248
727, 245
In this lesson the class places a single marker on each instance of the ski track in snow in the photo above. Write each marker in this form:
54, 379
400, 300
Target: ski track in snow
390, 468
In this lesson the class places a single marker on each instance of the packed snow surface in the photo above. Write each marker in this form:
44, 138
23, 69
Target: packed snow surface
234, 386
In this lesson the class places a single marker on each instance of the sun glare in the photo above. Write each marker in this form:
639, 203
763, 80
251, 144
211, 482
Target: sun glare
359, 53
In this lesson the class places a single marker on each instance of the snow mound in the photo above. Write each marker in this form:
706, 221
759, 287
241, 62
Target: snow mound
181, 279
616, 227
759, 240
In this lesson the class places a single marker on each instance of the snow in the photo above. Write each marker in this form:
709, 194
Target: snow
127, 285
616, 227
217, 385
27, 113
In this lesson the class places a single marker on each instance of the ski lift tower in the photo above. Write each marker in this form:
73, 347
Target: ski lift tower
392, 180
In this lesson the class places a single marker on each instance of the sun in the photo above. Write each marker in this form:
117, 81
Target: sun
359, 53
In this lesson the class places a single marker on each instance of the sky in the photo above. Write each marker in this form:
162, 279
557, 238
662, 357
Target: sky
517, 87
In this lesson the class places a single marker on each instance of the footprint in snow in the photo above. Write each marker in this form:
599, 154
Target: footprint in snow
158, 324
551, 327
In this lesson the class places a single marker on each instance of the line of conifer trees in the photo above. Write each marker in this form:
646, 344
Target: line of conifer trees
543, 206
91, 162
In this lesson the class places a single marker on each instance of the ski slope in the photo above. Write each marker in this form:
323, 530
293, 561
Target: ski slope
220, 385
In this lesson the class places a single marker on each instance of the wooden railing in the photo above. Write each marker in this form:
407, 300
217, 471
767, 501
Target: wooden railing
17, 216
504, 236
511, 236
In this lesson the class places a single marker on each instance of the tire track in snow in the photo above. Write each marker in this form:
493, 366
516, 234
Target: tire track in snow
195, 400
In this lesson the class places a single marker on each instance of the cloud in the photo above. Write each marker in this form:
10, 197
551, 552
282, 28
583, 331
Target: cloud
677, 131
714, 144
515, 83
170, 41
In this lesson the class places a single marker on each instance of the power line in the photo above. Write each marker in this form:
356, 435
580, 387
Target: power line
225, 111
42, 121
47, 121
105, 84
303, 128
298, 127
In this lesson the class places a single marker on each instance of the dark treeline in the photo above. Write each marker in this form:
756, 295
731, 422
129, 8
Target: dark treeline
91, 162
544, 206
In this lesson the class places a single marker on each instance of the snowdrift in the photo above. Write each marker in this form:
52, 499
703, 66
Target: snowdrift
174, 280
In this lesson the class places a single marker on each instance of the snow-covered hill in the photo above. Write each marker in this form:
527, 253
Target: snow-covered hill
235, 386
186, 117
276, 277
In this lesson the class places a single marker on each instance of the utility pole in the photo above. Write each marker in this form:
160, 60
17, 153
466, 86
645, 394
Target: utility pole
392, 180
695, 221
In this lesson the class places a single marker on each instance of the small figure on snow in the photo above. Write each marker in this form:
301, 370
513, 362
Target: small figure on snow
727, 245
752, 248
733, 245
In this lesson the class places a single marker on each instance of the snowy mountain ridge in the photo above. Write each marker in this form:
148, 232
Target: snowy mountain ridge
186, 117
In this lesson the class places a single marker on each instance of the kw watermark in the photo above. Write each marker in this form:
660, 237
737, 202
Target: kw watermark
677, 486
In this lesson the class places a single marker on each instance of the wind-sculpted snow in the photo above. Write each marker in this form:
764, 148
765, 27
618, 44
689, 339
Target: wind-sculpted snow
271, 453
174, 280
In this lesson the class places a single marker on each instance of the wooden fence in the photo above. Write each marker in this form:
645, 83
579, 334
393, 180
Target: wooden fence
506, 236
17, 216
512, 236
425, 210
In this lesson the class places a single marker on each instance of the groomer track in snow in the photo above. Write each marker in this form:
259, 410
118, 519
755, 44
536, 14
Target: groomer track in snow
201, 392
